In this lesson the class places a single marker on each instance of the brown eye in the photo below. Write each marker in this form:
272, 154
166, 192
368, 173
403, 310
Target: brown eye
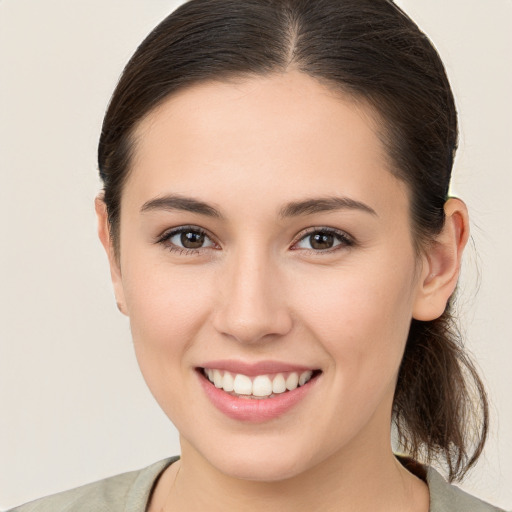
321, 241
186, 239
324, 240
192, 239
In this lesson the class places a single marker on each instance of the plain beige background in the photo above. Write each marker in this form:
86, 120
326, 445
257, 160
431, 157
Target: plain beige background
73, 406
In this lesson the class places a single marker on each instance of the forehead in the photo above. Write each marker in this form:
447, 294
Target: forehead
262, 136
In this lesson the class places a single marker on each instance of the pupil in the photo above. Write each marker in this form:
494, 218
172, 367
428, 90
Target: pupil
192, 239
322, 241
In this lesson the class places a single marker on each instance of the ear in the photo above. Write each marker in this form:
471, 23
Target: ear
441, 263
113, 260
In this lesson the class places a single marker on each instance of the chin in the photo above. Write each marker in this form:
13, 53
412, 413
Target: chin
260, 471
259, 464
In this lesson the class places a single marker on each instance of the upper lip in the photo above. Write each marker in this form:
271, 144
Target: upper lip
255, 368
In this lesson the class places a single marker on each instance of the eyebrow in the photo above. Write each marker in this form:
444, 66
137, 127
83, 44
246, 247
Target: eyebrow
325, 204
294, 209
177, 202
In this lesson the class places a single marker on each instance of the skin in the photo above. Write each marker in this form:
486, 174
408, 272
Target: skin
259, 291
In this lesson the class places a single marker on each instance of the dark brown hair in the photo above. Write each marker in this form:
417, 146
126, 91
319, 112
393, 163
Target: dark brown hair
371, 50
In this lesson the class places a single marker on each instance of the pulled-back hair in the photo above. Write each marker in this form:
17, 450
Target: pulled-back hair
370, 50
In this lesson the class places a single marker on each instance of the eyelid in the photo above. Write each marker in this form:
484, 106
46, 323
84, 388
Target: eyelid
346, 239
343, 237
165, 236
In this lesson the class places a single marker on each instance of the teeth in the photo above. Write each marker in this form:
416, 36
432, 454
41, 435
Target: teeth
261, 386
217, 378
304, 377
292, 381
242, 385
279, 384
228, 383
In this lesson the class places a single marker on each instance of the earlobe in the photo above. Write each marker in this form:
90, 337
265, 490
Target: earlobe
441, 263
106, 241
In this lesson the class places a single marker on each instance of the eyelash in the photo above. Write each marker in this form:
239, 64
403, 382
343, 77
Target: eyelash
344, 240
167, 236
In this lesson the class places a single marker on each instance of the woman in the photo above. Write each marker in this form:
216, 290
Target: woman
277, 221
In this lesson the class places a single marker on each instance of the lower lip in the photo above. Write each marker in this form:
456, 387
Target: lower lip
252, 409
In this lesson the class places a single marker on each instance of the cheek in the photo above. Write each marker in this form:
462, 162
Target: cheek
167, 310
362, 318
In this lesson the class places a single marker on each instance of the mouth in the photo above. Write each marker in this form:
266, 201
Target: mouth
257, 392
258, 387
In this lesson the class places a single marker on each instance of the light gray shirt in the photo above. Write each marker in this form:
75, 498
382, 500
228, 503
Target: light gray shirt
130, 492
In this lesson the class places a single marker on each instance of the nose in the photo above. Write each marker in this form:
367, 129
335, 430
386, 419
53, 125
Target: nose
252, 304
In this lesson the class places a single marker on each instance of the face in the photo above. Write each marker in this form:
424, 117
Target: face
264, 240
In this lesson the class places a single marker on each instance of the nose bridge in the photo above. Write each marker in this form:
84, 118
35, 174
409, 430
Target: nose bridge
252, 304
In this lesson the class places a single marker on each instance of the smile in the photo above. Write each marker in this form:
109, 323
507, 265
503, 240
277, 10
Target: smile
256, 393
259, 386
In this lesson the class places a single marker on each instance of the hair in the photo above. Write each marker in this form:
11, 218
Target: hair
372, 51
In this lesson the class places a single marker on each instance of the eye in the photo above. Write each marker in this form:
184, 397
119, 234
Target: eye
324, 239
186, 239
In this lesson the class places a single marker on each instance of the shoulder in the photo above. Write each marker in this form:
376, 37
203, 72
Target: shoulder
449, 498
126, 492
